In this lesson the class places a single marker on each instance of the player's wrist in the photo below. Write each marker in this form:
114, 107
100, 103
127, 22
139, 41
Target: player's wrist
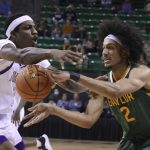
74, 76
52, 108
51, 54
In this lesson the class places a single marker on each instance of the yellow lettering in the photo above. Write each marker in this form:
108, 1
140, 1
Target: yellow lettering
109, 102
117, 101
126, 98
129, 97
31, 72
113, 102
122, 100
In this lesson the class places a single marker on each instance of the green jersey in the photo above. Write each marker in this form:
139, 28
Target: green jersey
132, 111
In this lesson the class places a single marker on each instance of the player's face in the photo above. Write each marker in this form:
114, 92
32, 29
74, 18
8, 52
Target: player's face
26, 36
111, 53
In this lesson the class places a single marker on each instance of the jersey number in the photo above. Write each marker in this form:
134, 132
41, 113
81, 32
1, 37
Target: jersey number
126, 114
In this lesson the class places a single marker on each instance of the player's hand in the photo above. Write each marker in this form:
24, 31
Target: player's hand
39, 112
67, 55
16, 118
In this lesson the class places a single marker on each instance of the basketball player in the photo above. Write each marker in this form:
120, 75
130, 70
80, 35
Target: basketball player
19, 48
127, 89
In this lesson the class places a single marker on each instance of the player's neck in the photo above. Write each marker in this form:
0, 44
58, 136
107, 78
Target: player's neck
120, 73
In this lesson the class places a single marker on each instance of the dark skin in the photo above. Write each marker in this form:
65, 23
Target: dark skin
25, 52
25, 38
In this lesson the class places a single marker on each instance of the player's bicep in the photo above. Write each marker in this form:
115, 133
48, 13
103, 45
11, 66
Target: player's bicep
136, 81
129, 85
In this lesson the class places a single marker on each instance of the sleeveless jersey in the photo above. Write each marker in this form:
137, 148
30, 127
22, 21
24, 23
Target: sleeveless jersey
9, 98
132, 111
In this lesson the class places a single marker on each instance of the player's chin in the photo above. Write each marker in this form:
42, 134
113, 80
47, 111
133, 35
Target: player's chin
32, 44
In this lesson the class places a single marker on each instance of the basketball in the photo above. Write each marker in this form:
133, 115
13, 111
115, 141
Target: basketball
33, 83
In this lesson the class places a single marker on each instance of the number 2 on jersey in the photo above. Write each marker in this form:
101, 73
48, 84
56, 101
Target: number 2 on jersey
126, 111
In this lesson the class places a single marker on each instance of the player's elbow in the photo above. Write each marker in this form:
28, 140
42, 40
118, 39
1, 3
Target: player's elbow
88, 124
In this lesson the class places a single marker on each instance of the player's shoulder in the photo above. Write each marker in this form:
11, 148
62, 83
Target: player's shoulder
144, 66
141, 67
141, 70
4, 42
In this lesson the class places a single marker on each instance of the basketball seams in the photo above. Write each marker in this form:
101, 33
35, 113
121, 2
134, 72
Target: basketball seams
43, 75
28, 94
35, 84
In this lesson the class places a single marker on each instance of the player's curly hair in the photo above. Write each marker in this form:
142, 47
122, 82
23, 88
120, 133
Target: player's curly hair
127, 34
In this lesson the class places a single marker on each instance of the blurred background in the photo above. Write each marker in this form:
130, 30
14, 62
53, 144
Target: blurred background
73, 24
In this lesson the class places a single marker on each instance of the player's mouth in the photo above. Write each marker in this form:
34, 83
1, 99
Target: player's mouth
35, 38
106, 60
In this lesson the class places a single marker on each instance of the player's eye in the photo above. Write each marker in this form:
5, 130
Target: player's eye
27, 27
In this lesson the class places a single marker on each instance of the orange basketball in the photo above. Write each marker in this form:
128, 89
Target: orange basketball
33, 83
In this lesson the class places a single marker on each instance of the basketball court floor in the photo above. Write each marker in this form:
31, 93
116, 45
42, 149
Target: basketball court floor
61, 144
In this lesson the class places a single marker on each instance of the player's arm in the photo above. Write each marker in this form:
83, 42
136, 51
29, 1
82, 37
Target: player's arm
70, 85
85, 120
33, 55
139, 77
16, 115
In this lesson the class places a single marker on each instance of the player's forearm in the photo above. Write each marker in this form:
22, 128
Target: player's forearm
21, 105
29, 55
32, 55
76, 118
103, 88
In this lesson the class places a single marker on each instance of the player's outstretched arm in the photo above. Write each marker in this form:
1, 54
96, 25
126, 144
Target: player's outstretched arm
33, 55
85, 120
138, 78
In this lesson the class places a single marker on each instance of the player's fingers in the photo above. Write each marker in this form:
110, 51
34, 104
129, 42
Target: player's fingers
29, 123
74, 55
33, 108
17, 122
12, 120
34, 120
29, 115
72, 59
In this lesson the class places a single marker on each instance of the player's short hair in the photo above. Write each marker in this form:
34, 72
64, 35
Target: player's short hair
128, 35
